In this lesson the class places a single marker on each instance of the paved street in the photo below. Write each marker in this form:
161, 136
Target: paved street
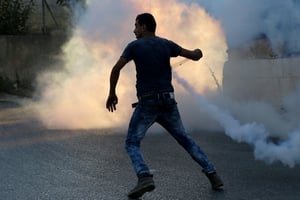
41, 164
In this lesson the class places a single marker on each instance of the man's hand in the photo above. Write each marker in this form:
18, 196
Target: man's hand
198, 54
111, 103
191, 54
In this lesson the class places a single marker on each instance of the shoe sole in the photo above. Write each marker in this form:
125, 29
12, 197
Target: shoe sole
141, 192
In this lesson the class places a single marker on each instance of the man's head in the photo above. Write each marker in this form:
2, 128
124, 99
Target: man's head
144, 23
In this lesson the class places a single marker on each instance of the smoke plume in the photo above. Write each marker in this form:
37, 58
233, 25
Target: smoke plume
286, 151
74, 96
256, 122
242, 21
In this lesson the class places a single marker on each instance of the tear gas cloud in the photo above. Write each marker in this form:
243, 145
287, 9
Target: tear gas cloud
74, 96
242, 21
253, 133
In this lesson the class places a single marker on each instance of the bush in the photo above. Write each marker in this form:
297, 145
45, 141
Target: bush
14, 15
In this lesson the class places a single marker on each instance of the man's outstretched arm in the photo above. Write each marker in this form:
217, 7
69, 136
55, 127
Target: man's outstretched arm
112, 99
191, 54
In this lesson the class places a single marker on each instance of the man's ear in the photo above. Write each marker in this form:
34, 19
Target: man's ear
144, 27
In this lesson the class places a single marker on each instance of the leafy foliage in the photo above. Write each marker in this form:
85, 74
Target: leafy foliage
14, 15
66, 2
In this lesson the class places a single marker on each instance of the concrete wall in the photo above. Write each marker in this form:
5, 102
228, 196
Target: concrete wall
22, 57
27, 54
261, 79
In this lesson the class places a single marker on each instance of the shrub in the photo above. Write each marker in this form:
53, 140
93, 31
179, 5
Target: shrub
14, 15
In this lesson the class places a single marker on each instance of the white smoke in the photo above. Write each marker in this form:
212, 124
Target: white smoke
242, 21
287, 151
74, 97
256, 122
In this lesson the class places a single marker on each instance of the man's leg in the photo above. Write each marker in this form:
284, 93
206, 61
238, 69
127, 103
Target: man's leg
171, 121
139, 124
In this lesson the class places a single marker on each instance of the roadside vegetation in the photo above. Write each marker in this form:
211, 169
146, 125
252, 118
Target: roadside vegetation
15, 21
14, 15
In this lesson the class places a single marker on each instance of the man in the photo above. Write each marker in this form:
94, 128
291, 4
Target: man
156, 102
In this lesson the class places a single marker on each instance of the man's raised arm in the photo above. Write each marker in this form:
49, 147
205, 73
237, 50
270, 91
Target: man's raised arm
191, 54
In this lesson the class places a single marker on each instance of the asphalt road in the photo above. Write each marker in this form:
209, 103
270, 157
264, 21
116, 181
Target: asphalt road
41, 164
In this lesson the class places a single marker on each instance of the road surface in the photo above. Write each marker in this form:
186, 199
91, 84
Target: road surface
41, 164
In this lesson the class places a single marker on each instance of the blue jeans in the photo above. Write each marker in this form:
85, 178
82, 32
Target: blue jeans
165, 112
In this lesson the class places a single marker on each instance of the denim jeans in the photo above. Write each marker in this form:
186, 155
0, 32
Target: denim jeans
165, 112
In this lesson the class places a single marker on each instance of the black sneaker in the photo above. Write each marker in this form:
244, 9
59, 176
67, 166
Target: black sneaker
145, 184
215, 180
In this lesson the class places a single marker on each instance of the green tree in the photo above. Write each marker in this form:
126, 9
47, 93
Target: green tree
14, 15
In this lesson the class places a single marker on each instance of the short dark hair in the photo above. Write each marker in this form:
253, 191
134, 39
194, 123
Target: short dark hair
148, 20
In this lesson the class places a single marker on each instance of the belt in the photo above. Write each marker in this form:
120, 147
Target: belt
159, 95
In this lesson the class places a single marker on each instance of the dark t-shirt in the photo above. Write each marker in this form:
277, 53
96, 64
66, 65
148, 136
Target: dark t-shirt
152, 60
